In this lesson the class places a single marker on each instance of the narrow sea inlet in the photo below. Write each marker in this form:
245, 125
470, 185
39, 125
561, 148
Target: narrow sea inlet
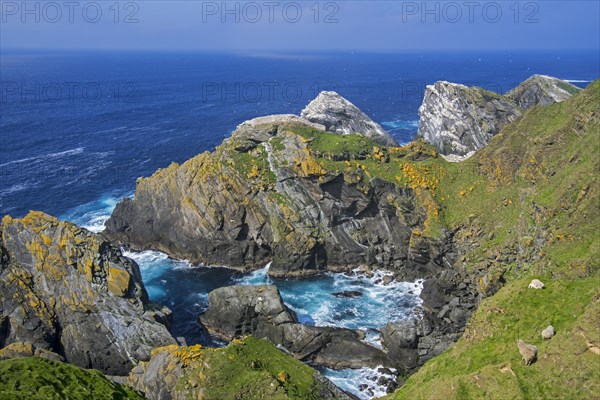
355, 300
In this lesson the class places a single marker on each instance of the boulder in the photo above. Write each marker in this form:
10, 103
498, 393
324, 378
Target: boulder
236, 311
348, 293
67, 291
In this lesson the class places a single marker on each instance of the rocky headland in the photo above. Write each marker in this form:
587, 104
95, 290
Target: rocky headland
459, 120
267, 194
541, 90
309, 194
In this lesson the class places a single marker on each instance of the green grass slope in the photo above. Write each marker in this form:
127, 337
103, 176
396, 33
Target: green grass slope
255, 369
34, 378
249, 369
527, 206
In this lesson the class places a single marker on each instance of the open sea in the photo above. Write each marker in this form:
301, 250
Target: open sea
78, 129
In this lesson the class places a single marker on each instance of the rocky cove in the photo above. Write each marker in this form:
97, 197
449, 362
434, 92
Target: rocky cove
334, 208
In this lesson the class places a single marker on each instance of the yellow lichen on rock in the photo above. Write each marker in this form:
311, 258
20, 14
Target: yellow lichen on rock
119, 280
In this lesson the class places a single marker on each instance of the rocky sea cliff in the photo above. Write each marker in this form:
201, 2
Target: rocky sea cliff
330, 191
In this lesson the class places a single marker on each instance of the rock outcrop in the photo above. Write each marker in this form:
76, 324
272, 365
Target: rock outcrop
541, 90
237, 311
246, 369
267, 194
339, 115
459, 120
449, 299
67, 291
21, 349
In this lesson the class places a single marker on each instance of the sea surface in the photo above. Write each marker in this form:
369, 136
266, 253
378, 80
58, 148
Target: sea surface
78, 129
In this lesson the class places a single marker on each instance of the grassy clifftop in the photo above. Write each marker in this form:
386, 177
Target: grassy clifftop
35, 378
245, 369
527, 207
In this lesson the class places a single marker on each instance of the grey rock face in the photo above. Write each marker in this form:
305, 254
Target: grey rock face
236, 311
542, 90
459, 120
447, 305
63, 289
341, 116
249, 134
211, 210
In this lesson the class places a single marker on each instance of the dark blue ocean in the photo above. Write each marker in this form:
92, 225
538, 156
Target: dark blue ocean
76, 126
78, 129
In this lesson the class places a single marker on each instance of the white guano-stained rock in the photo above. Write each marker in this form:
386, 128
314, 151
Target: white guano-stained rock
341, 116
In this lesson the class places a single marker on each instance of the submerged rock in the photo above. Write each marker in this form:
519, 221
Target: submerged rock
348, 293
67, 291
339, 115
459, 120
542, 90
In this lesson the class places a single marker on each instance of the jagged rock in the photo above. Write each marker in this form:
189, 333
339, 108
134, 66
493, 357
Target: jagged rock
447, 305
262, 197
341, 116
248, 369
236, 311
66, 290
459, 120
491, 282
541, 90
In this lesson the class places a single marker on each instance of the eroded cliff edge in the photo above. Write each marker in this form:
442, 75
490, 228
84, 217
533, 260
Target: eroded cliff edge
67, 291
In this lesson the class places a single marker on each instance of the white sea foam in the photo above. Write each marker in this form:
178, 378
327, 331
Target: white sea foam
351, 380
315, 299
93, 215
77, 150
576, 80
400, 124
258, 277
17, 188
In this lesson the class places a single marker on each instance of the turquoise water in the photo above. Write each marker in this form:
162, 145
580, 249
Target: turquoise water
75, 155
184, 288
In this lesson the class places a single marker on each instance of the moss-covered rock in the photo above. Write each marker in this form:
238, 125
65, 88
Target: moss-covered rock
542, 90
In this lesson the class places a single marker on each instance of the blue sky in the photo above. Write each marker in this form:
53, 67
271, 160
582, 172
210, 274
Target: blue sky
300, 25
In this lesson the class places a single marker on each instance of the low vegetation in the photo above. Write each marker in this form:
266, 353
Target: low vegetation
34, 378
527, 207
